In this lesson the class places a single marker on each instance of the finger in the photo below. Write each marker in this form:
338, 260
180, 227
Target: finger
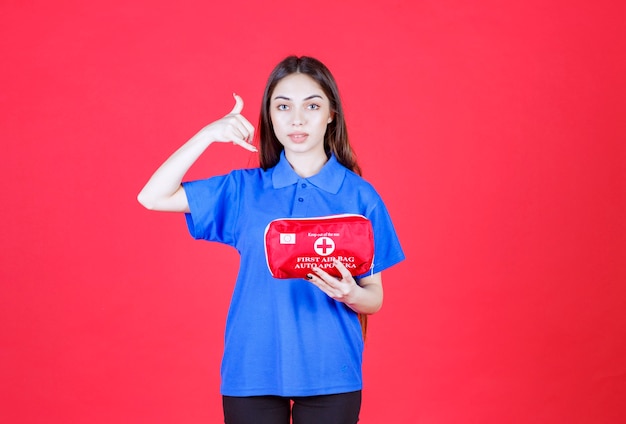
330, 279
345, 274
324, 276
320, 283
243, 143
328, 285
238, 129
238, 105
249, 128
244, 138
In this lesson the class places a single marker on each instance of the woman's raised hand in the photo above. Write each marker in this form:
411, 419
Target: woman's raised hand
233, 128
163, 191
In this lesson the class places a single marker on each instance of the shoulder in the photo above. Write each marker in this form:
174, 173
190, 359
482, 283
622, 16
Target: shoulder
354, 178
365, 189
251, 178
243, 174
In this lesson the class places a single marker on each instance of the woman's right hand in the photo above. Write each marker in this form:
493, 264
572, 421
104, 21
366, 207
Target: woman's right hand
163, 191
232, 128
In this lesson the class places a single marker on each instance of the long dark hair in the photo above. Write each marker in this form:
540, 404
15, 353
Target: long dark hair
336, 137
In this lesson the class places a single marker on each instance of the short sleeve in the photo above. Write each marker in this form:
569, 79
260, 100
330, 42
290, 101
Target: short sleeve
387, 248
214, 208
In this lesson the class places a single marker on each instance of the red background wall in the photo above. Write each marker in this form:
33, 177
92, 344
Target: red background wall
495, 132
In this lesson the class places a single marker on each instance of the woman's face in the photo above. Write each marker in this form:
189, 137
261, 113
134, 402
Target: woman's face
300, 112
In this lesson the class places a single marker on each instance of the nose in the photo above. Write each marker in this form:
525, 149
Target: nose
298, 117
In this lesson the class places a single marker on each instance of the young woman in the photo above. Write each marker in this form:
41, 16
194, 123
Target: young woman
288, 342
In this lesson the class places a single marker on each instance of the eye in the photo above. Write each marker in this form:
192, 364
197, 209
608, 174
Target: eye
314, 106
282, 107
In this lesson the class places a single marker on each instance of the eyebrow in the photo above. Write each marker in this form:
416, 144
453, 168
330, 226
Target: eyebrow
312, 96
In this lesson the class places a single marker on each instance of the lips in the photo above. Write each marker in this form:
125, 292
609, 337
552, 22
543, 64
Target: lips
298, 137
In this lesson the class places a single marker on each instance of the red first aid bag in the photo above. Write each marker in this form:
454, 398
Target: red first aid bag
294, 245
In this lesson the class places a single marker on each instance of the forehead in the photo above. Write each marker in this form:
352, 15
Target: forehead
297, 86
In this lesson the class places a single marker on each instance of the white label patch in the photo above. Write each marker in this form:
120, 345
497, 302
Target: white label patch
287, 238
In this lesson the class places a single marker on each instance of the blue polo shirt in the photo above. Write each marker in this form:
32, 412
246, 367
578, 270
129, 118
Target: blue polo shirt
286, 337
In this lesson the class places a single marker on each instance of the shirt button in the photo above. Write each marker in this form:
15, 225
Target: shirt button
303, 185
300, 199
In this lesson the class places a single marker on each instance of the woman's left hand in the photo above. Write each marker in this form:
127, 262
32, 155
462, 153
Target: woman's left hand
365, 297
340, 289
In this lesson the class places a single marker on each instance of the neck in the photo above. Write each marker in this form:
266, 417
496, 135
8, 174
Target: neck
306, 165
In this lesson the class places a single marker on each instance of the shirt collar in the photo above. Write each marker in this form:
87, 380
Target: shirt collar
328, 179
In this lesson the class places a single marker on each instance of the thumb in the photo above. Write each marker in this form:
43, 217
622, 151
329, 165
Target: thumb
238, 104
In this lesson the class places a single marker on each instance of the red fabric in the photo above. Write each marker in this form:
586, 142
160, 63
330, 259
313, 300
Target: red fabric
294, 246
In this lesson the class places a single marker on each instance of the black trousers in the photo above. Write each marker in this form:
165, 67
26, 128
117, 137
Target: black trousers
341, 408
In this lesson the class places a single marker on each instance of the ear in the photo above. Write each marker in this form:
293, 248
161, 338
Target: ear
331, 117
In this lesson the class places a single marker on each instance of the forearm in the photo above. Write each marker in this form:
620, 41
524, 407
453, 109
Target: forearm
163, 187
